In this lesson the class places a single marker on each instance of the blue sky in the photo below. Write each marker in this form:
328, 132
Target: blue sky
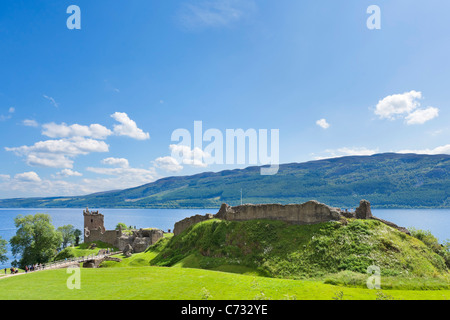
94, 109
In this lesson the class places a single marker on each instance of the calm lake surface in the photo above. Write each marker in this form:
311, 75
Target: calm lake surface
435, 220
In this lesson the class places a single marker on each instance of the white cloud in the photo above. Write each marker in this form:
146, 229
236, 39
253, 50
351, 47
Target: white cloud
58, 153
48, 160
95, 131
345, 151
168, 164
184, 155
438, 150
30, 123
405, 106
32, 186
128, 127
65, 173
122, 177
214, 13
341, 152
28, 177
357, 151
422, 115
52, 101
8, 116
5, 177
398, 104
323, 123
71, 147
121, 162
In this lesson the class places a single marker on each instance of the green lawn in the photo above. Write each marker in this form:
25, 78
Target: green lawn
161, 283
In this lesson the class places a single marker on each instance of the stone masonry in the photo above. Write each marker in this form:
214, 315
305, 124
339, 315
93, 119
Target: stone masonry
310, 212
139, 240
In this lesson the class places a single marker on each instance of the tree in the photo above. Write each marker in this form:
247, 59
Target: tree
3, 250
121, 224
77, 233
68, 235
36, 240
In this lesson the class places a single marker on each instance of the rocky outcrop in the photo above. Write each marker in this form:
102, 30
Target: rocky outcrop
128, 250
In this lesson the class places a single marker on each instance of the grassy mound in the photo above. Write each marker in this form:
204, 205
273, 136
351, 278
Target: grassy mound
84, 249
277, 249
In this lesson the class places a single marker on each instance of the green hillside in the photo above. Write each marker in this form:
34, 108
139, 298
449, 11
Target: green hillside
386, 180
276, 249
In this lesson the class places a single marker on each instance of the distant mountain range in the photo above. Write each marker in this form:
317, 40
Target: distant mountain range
387, 180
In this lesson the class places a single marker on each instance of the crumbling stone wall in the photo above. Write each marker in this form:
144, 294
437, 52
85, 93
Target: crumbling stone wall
182, 225
109, 236
310, 212
139, 240
363, 211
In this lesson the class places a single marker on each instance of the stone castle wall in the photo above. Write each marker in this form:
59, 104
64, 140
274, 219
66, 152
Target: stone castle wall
310, 212
139, 240
109, 236
182, 225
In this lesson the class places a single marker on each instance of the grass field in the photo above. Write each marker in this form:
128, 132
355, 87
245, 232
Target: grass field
230, 261
161, 283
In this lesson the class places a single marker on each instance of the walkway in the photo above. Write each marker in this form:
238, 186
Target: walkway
62, 264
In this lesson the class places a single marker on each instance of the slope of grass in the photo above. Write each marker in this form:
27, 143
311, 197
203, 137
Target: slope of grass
276, 249
158, 283
84, 249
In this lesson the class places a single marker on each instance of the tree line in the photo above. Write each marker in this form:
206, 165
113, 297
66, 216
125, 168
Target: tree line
37, 240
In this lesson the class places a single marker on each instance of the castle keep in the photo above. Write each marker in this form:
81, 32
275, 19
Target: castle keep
136, 240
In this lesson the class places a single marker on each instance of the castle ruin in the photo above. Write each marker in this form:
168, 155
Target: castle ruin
311, 212
138, 240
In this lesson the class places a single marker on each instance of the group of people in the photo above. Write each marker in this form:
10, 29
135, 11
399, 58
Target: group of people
31, 267
12, 270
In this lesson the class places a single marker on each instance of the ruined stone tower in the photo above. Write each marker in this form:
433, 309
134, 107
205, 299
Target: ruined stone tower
139, 240
93, 220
